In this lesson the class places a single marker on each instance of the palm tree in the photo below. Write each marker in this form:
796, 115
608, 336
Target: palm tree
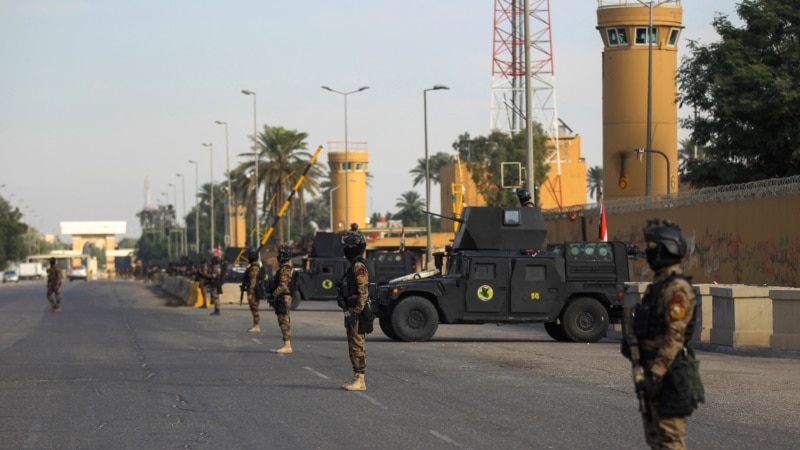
594, 182
435, 162
411, 208
686, 153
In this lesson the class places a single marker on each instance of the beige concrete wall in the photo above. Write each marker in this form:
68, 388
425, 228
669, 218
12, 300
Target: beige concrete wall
785, 319
754, 242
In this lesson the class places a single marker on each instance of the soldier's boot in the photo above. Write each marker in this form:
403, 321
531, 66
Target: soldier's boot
356, 384
57, 307
215, 313
286, 349
254, 329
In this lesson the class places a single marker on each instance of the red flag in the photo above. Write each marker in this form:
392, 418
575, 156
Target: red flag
603, 227
402, 238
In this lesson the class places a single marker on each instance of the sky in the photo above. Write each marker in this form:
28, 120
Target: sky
98, 96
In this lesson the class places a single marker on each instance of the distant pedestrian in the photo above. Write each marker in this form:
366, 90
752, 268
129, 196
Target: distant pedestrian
249, 283
214, 283
54, 276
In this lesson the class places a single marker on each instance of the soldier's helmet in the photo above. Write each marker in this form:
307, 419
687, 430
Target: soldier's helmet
523, 195
354, 245
666, 245
252, 255
52, 261
284, 253
353, 227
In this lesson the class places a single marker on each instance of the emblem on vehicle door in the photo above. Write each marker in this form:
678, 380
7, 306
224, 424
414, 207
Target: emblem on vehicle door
485, 293
327, 284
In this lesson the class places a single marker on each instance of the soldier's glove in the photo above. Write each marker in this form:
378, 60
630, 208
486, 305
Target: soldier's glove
650, 387
350, 319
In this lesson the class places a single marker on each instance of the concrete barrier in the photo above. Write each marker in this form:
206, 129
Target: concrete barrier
742, 316
785, 318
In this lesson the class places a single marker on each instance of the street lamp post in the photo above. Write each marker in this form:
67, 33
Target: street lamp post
346, 160
211, 188
228, 232
196, 210
435, 87
183, 189
649, 141
255, 150
642, 151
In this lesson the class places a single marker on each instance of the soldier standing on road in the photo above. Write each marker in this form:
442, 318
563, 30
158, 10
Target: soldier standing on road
54, 286
249, 284
525, 199
214, 281
353, 299
282, 297
666, 376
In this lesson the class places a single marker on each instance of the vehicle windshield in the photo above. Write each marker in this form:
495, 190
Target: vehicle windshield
454, 265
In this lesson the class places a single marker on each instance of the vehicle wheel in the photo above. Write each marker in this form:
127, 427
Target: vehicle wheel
296, 299
386, 327
585, 320
414, 319
556, 331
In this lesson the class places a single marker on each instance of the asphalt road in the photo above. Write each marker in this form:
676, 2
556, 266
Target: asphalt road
119, 368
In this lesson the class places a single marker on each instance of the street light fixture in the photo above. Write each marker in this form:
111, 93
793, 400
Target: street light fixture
183, 189
255, 150
346, 165
228, 232
211, 188
642, 151
196, 209
435, 87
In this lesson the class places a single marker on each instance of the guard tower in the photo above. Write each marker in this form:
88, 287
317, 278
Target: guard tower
639, 75
348, 195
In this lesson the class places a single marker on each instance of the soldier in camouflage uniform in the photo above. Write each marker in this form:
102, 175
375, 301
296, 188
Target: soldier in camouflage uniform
354, 300
202, 277
282, 297
54, 286
663, 325
213, 283
249, 283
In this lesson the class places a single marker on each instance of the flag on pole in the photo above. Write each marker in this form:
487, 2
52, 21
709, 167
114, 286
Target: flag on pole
603, 227
402, 238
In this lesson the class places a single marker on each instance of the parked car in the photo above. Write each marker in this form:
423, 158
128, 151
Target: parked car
77, 273
10, 276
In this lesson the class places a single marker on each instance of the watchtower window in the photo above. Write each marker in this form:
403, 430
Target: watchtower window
359, 167
617, 37
674, 34
641, 35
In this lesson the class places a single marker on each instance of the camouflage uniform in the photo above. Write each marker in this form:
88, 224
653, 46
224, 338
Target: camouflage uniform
252, 280
54, 287
675, 307
283, 293
357, 342
213, 285
202, 274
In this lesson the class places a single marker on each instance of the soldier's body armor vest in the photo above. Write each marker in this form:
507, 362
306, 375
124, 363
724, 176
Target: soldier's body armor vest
349, 286
649, 323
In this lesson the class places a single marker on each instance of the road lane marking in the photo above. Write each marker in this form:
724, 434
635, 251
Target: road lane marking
444, 438
324, 377
371, 400
256, 341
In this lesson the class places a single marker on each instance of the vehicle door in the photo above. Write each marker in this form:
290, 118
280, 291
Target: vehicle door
487, 285
535, 286
326, 274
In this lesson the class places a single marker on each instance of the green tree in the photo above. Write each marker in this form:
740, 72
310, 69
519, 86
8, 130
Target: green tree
411, 208
745, 89
435, 163
594, 182
12, 234
484, 157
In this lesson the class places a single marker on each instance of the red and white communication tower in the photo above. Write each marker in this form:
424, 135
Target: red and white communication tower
509, 74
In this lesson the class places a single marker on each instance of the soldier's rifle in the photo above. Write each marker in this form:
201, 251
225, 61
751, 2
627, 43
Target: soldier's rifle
637, 370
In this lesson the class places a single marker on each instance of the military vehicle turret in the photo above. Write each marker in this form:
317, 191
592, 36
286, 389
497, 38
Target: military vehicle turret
497, 271
326, 264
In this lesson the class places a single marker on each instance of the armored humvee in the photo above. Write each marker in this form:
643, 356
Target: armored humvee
326, 265
497, 271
